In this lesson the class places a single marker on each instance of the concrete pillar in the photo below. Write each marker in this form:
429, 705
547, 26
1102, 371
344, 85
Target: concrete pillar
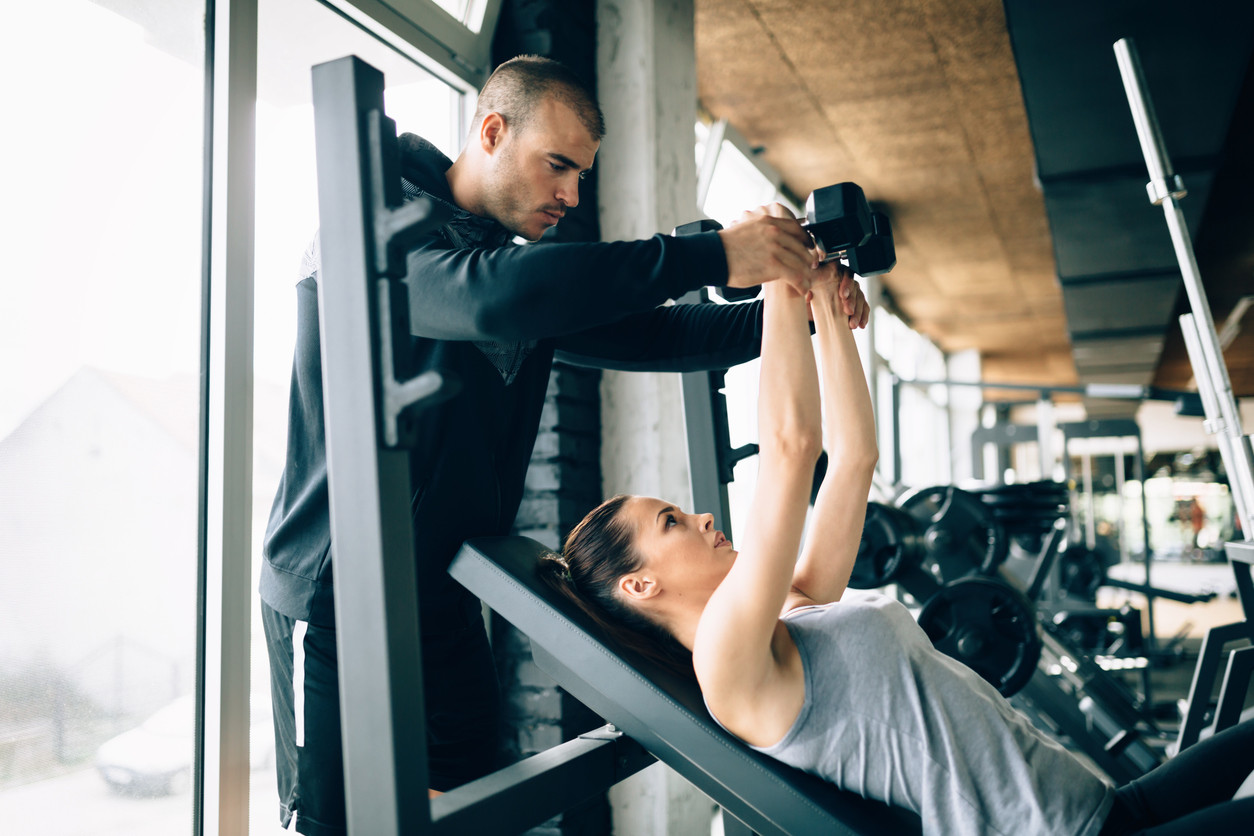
647, 183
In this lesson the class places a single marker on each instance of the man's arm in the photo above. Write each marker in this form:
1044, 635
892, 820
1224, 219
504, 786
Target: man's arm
676, 338
686, 338
548, 290
551, 290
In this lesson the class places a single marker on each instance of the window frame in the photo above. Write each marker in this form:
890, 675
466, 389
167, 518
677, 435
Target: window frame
455, 54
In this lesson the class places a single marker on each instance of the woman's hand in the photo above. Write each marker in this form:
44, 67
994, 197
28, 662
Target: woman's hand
835, 283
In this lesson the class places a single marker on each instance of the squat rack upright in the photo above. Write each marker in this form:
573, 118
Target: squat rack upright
1223, 419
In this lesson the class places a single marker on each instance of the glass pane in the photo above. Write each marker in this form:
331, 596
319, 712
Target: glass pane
99, 335
293, 36
469, 13
737, 185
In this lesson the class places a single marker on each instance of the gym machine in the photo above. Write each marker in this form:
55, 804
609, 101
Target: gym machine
365, 230
1223, 420
1070, 596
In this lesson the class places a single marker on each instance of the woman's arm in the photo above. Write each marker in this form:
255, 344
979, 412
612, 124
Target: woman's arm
732, 650
823, 570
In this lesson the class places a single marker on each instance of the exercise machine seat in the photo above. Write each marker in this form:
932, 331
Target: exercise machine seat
661, 711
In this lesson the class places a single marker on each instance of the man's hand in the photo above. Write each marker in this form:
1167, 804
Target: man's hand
837, 281
769, 244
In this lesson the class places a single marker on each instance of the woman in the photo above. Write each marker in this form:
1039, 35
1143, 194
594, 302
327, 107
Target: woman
845, 684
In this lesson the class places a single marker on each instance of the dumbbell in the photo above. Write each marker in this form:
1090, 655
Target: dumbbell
840, 221
1027, 511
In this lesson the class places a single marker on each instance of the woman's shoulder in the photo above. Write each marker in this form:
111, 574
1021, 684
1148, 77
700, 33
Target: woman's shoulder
798, 604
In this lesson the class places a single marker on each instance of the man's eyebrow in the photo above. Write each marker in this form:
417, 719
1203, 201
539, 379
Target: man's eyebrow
568, 162
663, 511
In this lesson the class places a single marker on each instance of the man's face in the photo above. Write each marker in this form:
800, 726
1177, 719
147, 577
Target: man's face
536, 170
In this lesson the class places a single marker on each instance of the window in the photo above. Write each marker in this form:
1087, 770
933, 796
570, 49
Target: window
293, 36
736, 182
100, 315
921, 422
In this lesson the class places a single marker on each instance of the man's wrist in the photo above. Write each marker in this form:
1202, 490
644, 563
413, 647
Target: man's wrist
703, 260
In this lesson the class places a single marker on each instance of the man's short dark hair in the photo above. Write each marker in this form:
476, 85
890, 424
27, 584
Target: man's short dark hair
518, 86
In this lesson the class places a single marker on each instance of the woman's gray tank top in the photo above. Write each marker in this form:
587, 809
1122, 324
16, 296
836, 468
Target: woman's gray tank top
890, 718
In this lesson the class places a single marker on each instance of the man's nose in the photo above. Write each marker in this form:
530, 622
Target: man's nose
568, 194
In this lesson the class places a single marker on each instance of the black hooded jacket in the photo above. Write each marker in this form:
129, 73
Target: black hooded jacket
492, 315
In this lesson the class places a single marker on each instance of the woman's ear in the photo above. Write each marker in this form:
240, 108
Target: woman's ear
638, 587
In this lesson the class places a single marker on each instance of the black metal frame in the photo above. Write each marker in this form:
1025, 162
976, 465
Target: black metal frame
363, 315
376, 600
658, 707
1236, 680
711, 458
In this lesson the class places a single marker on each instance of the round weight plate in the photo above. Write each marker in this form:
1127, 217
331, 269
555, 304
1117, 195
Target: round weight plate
988, 626
1081, 572
960, 534
890, 542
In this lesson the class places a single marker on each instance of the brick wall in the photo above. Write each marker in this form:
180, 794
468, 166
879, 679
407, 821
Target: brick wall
564, 481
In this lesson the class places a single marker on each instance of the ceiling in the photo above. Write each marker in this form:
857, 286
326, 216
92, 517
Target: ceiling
998, 138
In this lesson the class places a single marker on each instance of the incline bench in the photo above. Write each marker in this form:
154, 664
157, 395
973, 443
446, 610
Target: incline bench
661, 712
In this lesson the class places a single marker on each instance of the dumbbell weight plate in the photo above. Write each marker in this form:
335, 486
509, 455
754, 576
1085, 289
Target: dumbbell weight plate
877, 255
988, 626
839, 218
960, 534
890, 542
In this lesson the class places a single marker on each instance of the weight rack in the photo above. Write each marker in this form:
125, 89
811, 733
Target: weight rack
1223, 419
364, 228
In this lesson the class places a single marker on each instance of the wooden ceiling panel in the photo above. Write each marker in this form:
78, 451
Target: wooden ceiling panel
919, 102
1045, 368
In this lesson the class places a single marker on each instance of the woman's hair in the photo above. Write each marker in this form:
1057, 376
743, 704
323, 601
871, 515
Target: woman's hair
599, 551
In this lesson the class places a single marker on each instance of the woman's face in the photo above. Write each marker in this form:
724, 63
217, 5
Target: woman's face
684, 553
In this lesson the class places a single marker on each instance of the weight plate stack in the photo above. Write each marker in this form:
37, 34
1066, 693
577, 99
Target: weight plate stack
1027, 511
988, 626
960, 534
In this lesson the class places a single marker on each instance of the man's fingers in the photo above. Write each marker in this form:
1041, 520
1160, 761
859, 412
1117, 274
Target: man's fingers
778, 210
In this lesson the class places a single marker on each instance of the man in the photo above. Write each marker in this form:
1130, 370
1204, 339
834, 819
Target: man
492, 316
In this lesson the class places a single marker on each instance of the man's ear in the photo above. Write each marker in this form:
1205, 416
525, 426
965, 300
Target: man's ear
638, 587
492, 132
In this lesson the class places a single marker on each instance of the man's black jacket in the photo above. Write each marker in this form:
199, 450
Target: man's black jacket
491, 315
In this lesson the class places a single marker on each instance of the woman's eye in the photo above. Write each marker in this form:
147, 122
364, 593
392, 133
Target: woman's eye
670, 520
